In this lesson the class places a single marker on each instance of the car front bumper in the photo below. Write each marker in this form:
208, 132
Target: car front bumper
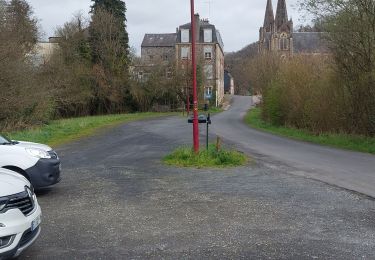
44, 173
18, 226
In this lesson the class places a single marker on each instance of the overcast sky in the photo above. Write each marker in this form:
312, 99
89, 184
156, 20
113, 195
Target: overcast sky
237, 20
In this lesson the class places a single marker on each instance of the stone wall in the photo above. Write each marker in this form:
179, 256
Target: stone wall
158, 55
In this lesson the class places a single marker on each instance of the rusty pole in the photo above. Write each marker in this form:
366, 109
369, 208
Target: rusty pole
195, 96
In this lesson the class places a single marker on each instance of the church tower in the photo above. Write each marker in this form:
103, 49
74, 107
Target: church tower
281, 14
277, 31
269, 19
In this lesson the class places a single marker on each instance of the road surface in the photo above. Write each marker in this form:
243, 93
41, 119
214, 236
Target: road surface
351, 170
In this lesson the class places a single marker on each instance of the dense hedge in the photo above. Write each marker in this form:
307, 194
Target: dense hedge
308, 92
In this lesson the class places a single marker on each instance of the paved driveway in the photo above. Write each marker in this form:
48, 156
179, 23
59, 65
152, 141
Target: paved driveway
351, 170
117, 201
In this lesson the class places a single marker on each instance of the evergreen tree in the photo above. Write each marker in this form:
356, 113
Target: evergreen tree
110, 55
117, 8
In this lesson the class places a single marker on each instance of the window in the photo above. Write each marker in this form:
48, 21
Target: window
209, 91
164, 57
185, 53
185, 35
207, 35
151, 57
208, 52
208, 71
284, 42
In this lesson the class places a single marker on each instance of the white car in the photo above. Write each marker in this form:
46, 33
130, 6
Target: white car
36, 162
20, 214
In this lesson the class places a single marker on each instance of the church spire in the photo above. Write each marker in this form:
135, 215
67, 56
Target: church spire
281, 13
269, 18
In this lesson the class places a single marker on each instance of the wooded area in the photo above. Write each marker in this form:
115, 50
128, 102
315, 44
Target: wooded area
87, 74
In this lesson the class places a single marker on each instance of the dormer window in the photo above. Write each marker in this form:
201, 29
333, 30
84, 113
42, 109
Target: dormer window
207, 35
185, 35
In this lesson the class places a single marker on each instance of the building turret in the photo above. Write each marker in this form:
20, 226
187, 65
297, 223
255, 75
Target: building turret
281, 14
269, 18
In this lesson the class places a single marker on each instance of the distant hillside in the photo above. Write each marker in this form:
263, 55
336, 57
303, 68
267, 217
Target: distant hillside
236, 63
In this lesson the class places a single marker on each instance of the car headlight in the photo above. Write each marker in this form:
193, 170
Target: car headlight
39, 153
3, 203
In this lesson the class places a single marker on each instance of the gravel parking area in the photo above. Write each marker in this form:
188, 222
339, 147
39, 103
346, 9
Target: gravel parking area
117, 201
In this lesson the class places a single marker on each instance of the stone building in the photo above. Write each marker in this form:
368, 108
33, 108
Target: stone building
158, 48
175, 49
43, 51
277, 34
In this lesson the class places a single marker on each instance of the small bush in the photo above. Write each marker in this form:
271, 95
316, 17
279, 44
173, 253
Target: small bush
273, 109
185, 157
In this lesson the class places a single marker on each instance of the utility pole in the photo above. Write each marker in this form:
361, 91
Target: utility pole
195, 96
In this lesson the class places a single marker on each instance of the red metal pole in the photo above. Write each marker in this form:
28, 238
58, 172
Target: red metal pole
188, 101
194, 62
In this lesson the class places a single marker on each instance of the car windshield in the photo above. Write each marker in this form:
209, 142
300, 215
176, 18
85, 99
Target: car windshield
4, 140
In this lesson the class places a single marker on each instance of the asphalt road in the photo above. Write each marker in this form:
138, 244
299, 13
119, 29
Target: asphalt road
118, 201
351, 170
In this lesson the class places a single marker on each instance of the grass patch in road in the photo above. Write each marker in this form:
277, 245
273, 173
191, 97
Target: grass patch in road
213, 110
65, 130
344, 141
211, 158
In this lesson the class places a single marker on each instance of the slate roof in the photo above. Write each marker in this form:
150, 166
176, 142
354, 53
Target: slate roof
203, 24
159, 40
309, 42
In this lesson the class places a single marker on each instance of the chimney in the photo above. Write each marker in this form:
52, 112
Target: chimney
197, 27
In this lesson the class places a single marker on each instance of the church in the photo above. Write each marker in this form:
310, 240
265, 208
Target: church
277, 34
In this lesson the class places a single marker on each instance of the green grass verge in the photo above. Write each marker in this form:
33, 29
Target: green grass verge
66, 130
350, 142
185, 157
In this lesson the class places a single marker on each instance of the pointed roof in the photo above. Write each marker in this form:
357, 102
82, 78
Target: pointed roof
281, 13
269, 17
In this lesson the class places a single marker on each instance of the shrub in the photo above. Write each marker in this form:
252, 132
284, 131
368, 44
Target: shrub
304, 92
